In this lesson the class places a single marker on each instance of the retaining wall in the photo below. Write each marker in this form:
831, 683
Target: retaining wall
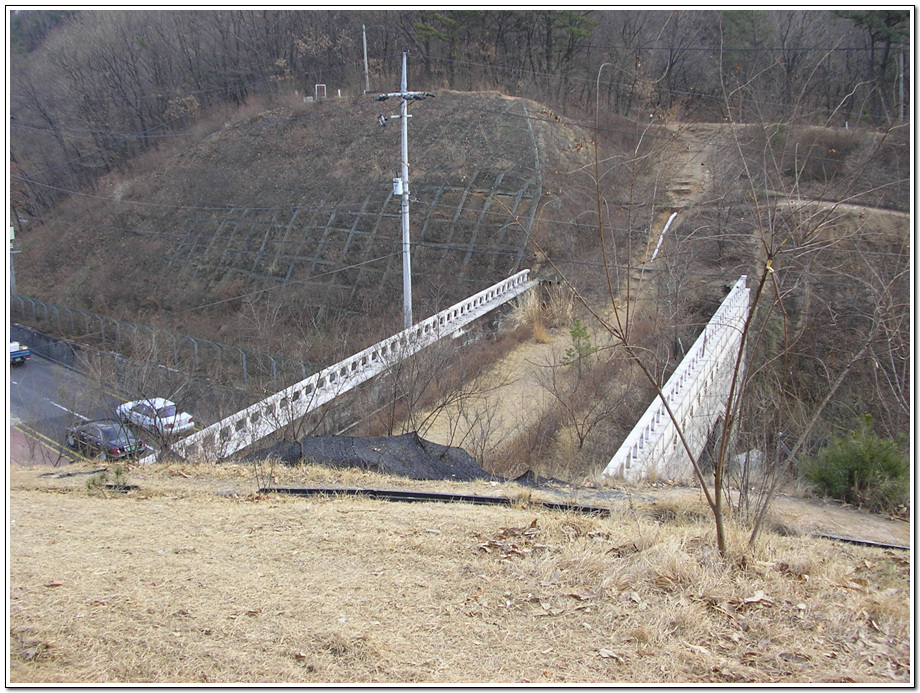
696, 393
272, 414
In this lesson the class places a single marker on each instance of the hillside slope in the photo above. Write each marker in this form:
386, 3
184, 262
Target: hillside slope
294, 206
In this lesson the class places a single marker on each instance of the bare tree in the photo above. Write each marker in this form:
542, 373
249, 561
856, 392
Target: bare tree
790, 243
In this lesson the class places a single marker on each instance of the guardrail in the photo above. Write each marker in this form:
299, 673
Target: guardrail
696, 393
250, 425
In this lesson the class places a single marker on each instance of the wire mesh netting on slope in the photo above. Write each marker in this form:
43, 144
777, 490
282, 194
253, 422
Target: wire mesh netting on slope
326, 217
274, 225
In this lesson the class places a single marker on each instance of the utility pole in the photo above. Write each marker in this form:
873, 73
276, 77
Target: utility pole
12, 252
401, 184
367, 82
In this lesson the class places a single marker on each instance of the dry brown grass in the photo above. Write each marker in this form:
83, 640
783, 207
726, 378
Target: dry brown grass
194, 579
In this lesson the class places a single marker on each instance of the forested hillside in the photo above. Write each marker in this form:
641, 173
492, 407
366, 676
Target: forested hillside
91, 89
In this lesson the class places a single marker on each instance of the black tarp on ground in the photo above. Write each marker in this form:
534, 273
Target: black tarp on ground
406, 455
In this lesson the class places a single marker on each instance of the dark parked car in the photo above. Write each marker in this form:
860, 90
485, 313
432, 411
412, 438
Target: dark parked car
111, 439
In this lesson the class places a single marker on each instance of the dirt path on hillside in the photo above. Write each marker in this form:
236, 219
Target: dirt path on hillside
518, 396
487, 423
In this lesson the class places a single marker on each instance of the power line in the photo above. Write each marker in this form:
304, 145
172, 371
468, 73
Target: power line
734, 49
516, 70
358, 106
110, 146
156, 96
448, 248
591, 81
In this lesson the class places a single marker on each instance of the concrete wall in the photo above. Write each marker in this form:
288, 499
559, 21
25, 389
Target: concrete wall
280, 410
696, 393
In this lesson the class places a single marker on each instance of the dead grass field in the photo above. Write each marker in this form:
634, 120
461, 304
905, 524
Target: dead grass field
192, 579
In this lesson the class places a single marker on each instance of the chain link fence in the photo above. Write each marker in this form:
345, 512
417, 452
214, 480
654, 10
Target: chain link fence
229, 365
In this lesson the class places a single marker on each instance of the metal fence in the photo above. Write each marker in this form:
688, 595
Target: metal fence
190, 354
62, 351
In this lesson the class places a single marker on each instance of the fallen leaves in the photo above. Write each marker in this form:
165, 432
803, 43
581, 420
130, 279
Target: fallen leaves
697, 648
856, 584
248, 612
794, 657
302, 657
794, 573
583, 594
552, 603
33, 650
758, 598
610, 654
898, 559
513, 541
779, 621
623, 550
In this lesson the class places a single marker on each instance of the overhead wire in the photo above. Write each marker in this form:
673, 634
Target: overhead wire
354, 208
350, 209
326, 113
360, 105
334, 111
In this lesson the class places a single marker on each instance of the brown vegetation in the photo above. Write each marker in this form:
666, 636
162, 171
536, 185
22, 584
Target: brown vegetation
241, 236
193, 579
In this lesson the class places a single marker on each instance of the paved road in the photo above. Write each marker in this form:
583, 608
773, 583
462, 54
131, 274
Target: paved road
45, 400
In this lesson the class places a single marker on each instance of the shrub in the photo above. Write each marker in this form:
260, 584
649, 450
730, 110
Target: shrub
102, 480
581, 344
863, 469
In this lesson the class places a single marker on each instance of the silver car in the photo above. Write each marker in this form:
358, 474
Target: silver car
156, 414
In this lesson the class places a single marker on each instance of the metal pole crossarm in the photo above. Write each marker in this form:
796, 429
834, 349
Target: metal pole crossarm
406, 95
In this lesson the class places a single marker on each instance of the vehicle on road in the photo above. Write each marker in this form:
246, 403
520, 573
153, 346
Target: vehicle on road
19, 353
157, 415
107, 438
